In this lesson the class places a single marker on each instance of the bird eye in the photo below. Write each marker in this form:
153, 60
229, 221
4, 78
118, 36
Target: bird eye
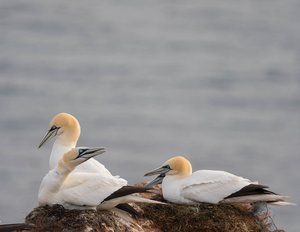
80, 151
54, 127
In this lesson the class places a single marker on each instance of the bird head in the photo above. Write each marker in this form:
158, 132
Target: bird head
176, 166
63, 126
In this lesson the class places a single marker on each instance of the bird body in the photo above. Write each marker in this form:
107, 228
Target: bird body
200, 185
78, 191
180, 185
51, 188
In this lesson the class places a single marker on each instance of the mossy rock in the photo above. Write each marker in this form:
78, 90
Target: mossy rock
155, 218
203, 217
170, 217
57, 218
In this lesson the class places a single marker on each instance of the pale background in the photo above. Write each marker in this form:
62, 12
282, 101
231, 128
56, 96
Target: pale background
216, 81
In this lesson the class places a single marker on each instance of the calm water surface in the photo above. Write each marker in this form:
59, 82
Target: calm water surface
216, 81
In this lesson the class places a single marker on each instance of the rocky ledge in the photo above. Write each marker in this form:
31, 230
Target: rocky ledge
154, 217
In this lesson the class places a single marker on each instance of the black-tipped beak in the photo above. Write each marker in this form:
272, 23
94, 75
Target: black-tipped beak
50, 134
88, 153
157, 180
158, 171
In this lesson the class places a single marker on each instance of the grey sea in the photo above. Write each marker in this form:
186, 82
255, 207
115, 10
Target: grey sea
215, 81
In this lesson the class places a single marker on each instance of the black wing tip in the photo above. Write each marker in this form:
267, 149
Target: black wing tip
251, 189
126, 190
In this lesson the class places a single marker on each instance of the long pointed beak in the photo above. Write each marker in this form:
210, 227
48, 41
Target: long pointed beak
161, 170
157, 180
50, 134
88, 153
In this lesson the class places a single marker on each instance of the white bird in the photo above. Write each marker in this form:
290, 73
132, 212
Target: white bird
180, 185
66, 129
84, 190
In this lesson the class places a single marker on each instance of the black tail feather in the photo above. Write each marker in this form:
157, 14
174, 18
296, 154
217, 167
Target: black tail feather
129, 209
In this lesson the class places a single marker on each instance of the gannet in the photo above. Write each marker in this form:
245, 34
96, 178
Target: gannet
84, 190
66, 129
180, 185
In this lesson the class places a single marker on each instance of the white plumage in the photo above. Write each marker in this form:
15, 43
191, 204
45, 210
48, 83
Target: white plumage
205, 186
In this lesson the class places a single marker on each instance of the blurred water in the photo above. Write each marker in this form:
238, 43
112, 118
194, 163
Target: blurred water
216, 81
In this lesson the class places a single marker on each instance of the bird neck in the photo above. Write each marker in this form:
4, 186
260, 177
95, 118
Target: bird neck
60, 147
69, 136
71, 133
63, 169
184, 174
54, 180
